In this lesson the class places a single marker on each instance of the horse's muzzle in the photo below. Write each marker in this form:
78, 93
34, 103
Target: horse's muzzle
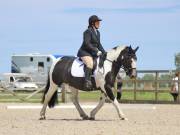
133, 73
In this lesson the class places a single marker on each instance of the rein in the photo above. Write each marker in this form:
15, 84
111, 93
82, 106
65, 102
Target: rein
109, 60
112, 62
117, 65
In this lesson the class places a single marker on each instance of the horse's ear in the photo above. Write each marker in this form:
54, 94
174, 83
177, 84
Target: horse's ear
135, 50
130, 47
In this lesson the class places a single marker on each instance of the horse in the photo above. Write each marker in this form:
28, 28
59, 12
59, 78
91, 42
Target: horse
103, 79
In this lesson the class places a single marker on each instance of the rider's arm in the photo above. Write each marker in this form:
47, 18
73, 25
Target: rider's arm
100, 47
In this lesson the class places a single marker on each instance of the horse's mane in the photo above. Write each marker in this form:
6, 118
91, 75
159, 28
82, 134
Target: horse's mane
114, 52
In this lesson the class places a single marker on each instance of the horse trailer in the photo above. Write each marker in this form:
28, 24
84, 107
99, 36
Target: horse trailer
35, 65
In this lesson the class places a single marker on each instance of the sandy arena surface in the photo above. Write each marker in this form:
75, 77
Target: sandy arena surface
144, 119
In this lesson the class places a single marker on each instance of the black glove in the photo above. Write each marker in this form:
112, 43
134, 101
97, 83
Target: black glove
102, 59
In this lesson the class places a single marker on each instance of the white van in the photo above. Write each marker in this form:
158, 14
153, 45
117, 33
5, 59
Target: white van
18, 81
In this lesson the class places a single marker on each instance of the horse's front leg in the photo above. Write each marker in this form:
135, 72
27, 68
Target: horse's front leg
114, 101
77, 105
118, 109
98, 107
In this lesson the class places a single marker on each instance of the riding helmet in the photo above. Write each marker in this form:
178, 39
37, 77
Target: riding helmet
93, 19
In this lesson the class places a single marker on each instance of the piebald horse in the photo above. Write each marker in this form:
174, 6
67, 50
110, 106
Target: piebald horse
104, 79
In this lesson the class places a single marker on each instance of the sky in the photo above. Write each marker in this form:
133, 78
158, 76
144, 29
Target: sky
56, 27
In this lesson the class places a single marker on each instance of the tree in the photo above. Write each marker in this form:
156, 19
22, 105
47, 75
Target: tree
177, 61
165, 77
148, 77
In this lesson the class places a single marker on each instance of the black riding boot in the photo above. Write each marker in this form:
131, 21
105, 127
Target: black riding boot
88, 84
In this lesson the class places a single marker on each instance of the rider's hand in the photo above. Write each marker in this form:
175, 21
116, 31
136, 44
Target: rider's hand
99, 53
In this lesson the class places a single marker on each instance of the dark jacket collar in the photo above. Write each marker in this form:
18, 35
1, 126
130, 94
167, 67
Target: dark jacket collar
93, 31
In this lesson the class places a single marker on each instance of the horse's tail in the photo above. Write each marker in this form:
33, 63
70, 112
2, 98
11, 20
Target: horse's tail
54, 98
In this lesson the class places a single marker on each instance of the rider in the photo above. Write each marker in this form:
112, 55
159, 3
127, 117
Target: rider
91, 48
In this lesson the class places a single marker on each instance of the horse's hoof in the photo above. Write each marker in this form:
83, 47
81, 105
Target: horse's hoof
85, 118
91, 118
42, 118
124, 119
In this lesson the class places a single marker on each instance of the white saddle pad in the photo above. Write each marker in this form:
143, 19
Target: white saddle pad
77, 69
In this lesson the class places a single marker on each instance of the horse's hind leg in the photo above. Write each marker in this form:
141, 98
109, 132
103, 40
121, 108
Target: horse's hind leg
98, 107
48, 96
77, 105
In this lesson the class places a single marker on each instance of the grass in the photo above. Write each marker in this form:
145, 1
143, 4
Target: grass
6, 97
165, 97
87, 96
145, 96
148, 96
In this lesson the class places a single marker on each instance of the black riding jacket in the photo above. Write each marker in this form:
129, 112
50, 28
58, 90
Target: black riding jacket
91, 44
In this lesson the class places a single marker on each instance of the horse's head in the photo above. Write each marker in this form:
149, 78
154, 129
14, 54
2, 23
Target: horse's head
128, 59
123, 57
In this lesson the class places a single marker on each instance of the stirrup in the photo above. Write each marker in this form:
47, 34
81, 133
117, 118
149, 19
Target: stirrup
88, 85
